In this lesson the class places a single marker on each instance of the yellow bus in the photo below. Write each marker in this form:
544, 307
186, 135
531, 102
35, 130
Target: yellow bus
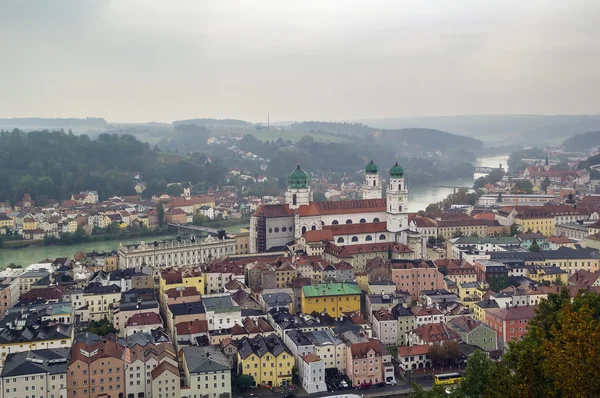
447, 378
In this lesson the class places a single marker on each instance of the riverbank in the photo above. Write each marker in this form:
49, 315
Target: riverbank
34, 254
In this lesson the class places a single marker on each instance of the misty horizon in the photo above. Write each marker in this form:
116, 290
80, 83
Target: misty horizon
133, 61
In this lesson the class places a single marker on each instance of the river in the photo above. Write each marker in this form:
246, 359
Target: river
420, 197
31, 255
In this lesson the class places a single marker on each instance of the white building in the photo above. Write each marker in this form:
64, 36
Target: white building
312, 374
207, 373
42, 373
175, 253
274, 226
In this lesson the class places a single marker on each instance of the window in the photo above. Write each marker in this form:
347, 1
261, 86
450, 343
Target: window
362, 221
340, 240
355, 239
382, 237
348, 221
369, 238
294, 199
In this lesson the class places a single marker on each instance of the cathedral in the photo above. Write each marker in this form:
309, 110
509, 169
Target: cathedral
371, 219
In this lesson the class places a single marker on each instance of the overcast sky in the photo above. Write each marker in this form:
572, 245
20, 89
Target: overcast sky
146, 60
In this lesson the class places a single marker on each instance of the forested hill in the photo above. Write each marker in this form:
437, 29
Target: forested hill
30, 123
55, 164
214, 122
435, 139
582, 142
419, 137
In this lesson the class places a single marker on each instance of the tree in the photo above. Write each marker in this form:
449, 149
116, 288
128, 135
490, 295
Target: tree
174, 190
200, 219
534, 246
160, 214
545, 184
438, 354
101, 328
319, 197
14, 266
242, 382
514, 230
500, 197
431, 241
452, 350
478, 373
558, 281
457, 234
433, 210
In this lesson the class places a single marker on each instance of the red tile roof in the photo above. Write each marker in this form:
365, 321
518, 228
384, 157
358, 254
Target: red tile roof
145, 318
421, 349
318, 235
518, 312
343, 207
361, 350
310, 357
192, 327
164, 367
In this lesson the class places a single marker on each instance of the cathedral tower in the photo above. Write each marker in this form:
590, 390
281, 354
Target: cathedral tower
298, 192
371, 189
397, 200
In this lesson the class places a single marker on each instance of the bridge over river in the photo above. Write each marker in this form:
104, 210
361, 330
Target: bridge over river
195, 228
486, 169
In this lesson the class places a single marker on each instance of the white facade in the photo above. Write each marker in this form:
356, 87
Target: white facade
397, 205
386, 330
312, 374
296, 197
174, 253
371, 188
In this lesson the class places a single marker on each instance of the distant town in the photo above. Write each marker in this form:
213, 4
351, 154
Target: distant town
354, 291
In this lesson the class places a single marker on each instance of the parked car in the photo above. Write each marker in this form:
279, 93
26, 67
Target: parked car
364, 386
344, 384
290, 395
382, 384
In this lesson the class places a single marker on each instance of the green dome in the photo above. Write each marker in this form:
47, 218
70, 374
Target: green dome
396, 171
371, 168
298, 179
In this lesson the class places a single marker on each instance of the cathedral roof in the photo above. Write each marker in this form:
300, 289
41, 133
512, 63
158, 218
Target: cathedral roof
371, 168
396, 171
299, 178
342, 207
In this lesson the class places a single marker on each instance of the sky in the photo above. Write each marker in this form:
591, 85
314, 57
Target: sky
148, 60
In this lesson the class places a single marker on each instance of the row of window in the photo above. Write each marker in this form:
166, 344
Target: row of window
368, 238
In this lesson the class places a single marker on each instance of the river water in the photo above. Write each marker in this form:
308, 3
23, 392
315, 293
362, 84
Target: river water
419, 198
31, 255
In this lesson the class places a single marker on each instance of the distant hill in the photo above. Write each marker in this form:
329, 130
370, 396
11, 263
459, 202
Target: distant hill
421, 137
214, 122
582, 142
29, 123
435, 139
520, 129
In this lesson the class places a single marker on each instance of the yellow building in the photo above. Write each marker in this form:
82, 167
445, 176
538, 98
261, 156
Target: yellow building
542, 218
72, 226
572, 260
29, 224
267, 359
6, 222
332, 298
469, 293
145, 221
480, 307
173, 278
548, 274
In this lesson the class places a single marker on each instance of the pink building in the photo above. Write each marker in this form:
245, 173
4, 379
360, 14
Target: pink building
414, 276
369, 362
